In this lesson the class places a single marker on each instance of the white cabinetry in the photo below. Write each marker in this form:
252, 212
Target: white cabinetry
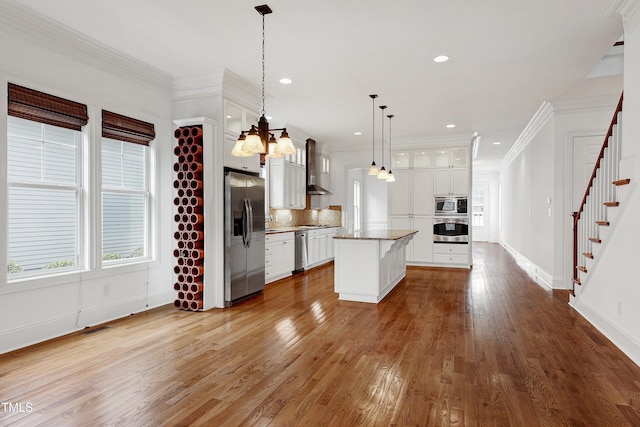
411, 202
320, 248
287, 185
237, 119
452, 171
251, 164
279, 256
449, 253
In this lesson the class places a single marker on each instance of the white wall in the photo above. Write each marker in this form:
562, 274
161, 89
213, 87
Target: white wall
610, 297
526, 184
37, 57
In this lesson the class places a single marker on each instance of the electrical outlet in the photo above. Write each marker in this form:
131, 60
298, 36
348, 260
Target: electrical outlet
106, 289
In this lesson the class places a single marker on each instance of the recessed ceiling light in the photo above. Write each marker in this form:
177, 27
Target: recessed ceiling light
285, 81
497, 143
229, 116
441, 58
451, 126
357, 133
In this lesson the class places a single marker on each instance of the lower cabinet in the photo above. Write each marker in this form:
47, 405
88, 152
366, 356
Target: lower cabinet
450, 253
320, 249
279, 256
420, 248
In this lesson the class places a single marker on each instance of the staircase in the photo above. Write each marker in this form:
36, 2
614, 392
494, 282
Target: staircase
598, 208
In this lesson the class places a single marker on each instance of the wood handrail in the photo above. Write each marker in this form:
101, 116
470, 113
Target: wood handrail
605, 144
576, 215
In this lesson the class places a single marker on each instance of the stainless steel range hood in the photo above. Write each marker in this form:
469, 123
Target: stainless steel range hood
313, 189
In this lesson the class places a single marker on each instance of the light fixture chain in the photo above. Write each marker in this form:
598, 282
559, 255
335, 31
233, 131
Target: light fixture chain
382, 142
373, 133
263, 112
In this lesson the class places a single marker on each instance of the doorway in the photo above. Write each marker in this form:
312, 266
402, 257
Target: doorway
480, 212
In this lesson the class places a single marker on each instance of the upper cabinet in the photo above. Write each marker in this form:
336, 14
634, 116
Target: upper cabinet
452, 157
448, 170
237, 119
287, 184
420, 159
451, 171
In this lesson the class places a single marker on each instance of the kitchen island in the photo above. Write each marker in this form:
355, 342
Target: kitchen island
369, 264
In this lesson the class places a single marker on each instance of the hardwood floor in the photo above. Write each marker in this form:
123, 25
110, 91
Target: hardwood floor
447, 347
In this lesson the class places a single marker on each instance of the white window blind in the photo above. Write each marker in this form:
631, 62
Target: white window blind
124, 200
44, 197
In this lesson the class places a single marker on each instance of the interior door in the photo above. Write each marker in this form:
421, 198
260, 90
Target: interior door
585, 153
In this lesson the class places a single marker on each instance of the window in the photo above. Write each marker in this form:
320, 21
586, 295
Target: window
477, 207
125, 187
124, 200
356, 206
44, 186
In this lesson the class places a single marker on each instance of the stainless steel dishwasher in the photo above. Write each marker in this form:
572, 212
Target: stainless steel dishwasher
300, 245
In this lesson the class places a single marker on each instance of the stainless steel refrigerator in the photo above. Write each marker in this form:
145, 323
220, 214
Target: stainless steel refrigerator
244, 236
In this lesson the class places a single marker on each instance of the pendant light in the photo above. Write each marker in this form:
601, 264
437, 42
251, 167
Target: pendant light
382, 174
390, 177
373, 169
260, 137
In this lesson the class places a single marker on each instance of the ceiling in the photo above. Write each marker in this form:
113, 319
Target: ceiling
506, 59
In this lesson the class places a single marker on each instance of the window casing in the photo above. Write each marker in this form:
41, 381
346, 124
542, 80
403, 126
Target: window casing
44, 170
125, 201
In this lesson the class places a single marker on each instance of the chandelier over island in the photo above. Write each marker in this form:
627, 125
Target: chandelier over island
260, 139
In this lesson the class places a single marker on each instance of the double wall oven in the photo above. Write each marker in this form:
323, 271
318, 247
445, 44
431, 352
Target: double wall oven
450, 222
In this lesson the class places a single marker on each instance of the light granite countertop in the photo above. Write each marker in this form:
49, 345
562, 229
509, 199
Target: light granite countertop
377, 235
298, 228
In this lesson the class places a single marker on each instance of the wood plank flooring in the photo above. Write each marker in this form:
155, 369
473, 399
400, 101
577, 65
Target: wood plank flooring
448, 347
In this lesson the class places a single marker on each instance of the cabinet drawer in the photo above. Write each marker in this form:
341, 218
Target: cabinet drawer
451, 249
450, 259
278, 237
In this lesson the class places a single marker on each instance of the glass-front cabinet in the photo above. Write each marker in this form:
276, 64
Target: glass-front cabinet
237, 119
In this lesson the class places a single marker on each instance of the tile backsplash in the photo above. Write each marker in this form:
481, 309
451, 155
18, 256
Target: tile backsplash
294, 217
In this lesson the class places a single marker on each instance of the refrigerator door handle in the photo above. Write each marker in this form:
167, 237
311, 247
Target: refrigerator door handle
245, 213
250, 225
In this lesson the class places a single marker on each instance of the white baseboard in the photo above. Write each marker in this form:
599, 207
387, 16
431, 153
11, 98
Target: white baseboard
627, 344
119, 309
36, 333
536, 273
53, 328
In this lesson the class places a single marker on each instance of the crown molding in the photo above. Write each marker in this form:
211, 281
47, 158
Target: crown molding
594, 103
629, 10
241, 90
28, 25
539, 119
222, 82
408, 143
197, 85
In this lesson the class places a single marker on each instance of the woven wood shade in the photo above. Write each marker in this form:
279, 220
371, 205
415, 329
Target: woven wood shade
44, 108
123, 128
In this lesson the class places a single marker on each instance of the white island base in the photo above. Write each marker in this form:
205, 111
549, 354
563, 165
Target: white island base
368, 265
